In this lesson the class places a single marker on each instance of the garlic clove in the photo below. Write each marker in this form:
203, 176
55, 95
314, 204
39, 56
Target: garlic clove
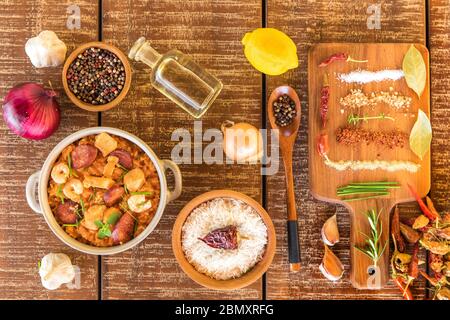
56, 269
331, 267
46, 50
330, 232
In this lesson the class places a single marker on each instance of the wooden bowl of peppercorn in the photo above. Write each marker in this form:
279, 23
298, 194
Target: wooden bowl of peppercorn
96, 76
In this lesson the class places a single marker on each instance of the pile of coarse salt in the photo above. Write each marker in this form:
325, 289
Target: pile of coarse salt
364, 76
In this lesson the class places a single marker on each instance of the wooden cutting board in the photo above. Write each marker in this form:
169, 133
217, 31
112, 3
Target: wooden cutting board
325, 180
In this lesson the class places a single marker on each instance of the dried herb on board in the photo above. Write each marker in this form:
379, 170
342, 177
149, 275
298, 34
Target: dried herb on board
421, 135
415, 70
222, 238
368, 190
374, 248
355, 119
341, 56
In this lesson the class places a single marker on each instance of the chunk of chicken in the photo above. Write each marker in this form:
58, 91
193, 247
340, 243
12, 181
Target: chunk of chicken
98, 182
110, 165
105, 143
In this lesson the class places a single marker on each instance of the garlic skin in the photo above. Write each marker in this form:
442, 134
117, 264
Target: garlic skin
46, 50
331, 267
55, 270
330, 232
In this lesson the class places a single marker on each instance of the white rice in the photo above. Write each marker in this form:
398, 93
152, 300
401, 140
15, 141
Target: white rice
222, 264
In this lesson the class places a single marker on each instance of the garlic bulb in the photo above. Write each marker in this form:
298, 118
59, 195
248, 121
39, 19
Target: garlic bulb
55, 270
46, 50
330, 232
242, 142
331, 267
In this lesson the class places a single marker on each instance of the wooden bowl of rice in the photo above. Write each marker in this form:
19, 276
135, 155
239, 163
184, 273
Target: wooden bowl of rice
218, 268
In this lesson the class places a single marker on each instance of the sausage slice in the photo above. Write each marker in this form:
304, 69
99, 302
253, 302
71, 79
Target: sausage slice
124, 158
66, 212
123, 231
83, 156
113, 195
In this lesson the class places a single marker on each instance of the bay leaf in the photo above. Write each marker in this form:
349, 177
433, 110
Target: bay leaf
415, 70
421, 134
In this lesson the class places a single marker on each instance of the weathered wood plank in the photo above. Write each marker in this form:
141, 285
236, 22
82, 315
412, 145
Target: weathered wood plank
439, 30
309, 22
24, 235
210, 32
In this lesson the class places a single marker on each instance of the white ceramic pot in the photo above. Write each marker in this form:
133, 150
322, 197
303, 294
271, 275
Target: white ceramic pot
37, 196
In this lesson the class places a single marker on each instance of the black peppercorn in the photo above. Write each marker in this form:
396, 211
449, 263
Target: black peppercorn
92, 74
284, 110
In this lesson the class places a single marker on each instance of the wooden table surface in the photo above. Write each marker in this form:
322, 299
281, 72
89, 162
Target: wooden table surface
209, 31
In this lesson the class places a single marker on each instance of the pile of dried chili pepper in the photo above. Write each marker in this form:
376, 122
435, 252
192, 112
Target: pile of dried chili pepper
432, 232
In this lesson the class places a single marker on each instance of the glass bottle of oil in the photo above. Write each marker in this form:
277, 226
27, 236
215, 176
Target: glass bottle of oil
178, 77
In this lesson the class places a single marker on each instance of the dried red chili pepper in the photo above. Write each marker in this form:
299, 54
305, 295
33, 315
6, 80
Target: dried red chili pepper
432, 281
222, 238
395, 230
406, 292
339, 57
322, 145
435, 264
413, 267
430, 215
430, 206
324, 98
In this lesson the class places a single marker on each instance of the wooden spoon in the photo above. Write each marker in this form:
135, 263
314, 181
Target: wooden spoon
287, 136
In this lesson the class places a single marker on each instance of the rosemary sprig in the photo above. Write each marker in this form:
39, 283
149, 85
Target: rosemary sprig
373, 248
354, 119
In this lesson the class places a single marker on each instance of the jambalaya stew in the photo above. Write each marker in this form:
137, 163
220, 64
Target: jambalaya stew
104, 190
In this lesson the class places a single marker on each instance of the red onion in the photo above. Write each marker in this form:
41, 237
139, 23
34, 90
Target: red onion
31, 111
